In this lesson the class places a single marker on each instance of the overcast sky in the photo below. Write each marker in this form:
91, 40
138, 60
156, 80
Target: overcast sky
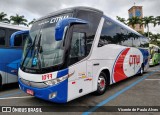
38, 8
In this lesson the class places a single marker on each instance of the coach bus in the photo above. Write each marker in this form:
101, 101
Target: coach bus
10, 52
76, 51
155, 54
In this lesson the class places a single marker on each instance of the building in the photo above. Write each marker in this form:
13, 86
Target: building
136, 11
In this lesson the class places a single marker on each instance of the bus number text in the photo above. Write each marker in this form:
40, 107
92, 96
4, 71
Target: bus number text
46, 76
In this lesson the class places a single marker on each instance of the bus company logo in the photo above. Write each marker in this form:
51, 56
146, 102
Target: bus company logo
134, 59
56, 19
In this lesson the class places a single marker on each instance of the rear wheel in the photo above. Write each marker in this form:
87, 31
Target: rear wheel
142, 70
101, 84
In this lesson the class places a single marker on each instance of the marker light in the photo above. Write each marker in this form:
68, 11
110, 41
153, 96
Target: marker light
52, 95
56, 81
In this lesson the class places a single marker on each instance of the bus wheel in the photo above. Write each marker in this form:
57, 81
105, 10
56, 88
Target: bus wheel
101, 84
142, 70
0, 82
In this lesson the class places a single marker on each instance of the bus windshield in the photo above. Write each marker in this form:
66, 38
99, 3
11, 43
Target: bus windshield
42, 50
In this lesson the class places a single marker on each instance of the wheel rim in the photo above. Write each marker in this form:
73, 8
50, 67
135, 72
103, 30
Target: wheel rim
101, 83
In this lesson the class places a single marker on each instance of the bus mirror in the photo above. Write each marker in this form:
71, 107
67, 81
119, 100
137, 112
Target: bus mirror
62, 25
12, 38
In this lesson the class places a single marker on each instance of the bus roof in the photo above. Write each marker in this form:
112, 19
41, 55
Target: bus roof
71, 9
5, 25
124, 26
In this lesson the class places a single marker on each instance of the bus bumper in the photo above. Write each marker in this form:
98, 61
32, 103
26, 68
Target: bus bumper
56, 93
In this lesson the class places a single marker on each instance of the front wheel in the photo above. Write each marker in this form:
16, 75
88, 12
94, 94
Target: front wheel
101, 84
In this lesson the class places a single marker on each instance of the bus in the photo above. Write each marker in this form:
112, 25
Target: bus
155, 54
10, 52
79, 50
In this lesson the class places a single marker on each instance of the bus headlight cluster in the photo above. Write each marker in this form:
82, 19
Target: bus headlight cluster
55, 81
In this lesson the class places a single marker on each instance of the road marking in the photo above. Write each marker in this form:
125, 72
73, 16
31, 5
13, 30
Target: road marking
153, 79
10, 94
17, 97
116, 95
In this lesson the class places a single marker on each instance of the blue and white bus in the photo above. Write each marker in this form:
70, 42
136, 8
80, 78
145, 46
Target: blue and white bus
10, 52
76, 51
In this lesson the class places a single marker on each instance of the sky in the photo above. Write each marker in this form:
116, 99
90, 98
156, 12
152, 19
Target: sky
38, 8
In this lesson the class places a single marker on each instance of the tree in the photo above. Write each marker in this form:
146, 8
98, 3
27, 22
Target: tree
133, 21
121, 20
158, 20
31, 22
18, 20
3, 18
147, 21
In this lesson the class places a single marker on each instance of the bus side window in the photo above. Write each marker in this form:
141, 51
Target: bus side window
20, 40
144, 42
136, 41
78, 47
108, 34
25, 36
2, 36
124, 37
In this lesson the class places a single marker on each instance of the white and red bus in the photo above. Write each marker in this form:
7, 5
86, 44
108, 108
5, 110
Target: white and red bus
76, 51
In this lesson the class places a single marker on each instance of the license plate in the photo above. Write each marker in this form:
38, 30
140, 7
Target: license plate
30, 92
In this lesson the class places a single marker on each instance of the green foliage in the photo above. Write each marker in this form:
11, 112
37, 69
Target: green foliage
154, 38
30, 23
134, 20
123, 20
3, 18
18, 20
142, 22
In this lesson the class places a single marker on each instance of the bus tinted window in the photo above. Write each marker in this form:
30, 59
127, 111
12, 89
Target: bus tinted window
144, 42
78, 47
2, 37
25, 36
123, 36
20, 39
136, 40
108, 34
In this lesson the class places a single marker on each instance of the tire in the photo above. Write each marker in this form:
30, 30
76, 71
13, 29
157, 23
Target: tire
141, 70
101, 84
0, 82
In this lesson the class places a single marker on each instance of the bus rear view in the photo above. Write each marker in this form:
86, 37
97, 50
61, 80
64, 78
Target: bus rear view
67, 56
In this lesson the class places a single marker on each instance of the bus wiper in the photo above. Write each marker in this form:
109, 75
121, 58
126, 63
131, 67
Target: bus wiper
39, 50
29, 50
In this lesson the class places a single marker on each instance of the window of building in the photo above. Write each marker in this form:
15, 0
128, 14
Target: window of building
2, 37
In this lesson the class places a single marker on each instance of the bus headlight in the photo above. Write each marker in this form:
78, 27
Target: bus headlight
55, 81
